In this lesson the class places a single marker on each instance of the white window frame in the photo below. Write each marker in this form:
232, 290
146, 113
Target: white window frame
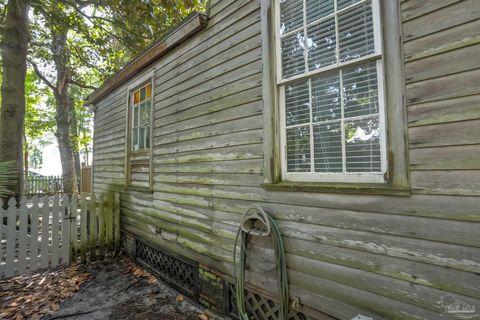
129, 152
132, 111
377, 56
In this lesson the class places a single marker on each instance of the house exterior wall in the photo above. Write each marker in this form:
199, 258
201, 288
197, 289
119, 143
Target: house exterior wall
383, 256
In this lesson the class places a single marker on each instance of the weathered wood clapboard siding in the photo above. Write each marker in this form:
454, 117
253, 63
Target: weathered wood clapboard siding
442, 48
109, 141
386, 256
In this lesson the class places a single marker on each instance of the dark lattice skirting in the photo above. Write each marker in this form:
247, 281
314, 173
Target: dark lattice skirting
260, 307
178, 272
183, 275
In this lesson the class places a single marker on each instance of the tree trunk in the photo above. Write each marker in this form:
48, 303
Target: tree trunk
78, 165
64, 110
15, 38
75, 133
25, 157
65, 144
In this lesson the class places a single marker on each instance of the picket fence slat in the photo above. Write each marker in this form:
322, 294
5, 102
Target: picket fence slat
83, 229
11, 236
101, 227
65, 250
109, 218
74, 228
23, 236
116, 219
34, 236
44, 232
93, 226
55, 232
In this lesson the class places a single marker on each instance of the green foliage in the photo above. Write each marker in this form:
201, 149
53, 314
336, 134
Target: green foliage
39, 119
39, 116
82, 124
101, 37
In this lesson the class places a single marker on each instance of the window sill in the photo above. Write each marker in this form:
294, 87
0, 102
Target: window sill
139, 189
337, 188
141, 152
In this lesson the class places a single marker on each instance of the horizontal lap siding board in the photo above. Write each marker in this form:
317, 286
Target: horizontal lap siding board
443, 96
446, 17
228, 153
347, 254
443, 64
109, 142
450, 110
464, 157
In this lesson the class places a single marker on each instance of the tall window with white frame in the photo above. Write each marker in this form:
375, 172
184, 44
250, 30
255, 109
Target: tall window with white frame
141, 100
331, 90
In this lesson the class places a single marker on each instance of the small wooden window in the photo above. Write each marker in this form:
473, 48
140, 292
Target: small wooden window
141, 113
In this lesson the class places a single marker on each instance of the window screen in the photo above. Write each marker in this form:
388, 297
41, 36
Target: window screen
331, 89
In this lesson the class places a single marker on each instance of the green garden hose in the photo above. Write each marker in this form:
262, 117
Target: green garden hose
257, 222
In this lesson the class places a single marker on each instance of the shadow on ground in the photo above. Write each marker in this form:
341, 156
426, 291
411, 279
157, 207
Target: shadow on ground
119, 291
113, 289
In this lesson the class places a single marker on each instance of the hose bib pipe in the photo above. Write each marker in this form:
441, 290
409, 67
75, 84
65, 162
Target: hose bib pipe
255, 221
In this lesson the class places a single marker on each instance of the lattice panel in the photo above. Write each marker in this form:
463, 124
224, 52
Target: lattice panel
260, 308
176, 271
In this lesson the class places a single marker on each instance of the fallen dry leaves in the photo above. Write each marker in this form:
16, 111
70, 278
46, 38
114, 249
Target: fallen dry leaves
202, 316
136, 270
179, 298
33, 296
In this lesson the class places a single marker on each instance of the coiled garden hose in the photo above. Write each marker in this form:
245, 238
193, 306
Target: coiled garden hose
257, 222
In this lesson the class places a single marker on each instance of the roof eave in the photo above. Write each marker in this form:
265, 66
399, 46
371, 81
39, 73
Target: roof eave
191, 25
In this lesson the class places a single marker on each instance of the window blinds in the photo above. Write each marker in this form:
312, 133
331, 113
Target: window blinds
328, 36
332, 117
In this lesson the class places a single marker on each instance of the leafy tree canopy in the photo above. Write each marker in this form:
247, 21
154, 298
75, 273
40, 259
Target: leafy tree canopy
101, 37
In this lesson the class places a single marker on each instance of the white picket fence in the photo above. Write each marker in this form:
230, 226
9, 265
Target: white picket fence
44, 232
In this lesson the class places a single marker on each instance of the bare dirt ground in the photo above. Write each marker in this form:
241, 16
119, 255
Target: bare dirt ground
117, 290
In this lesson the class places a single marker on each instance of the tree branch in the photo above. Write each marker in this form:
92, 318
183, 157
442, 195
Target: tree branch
41, 76
101, 27
82, 85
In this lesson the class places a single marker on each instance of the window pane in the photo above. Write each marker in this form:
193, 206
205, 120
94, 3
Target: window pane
360, 90
142, 94
293, 59
143, 114
141, 135
362, 145
355, 29
135, 139
298, 149
149, 90
135, 116
326, 98
136, 97
328, 147
147, 137
297, 105
291, 15
321, 45
345, 3
317, 9
147, 112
